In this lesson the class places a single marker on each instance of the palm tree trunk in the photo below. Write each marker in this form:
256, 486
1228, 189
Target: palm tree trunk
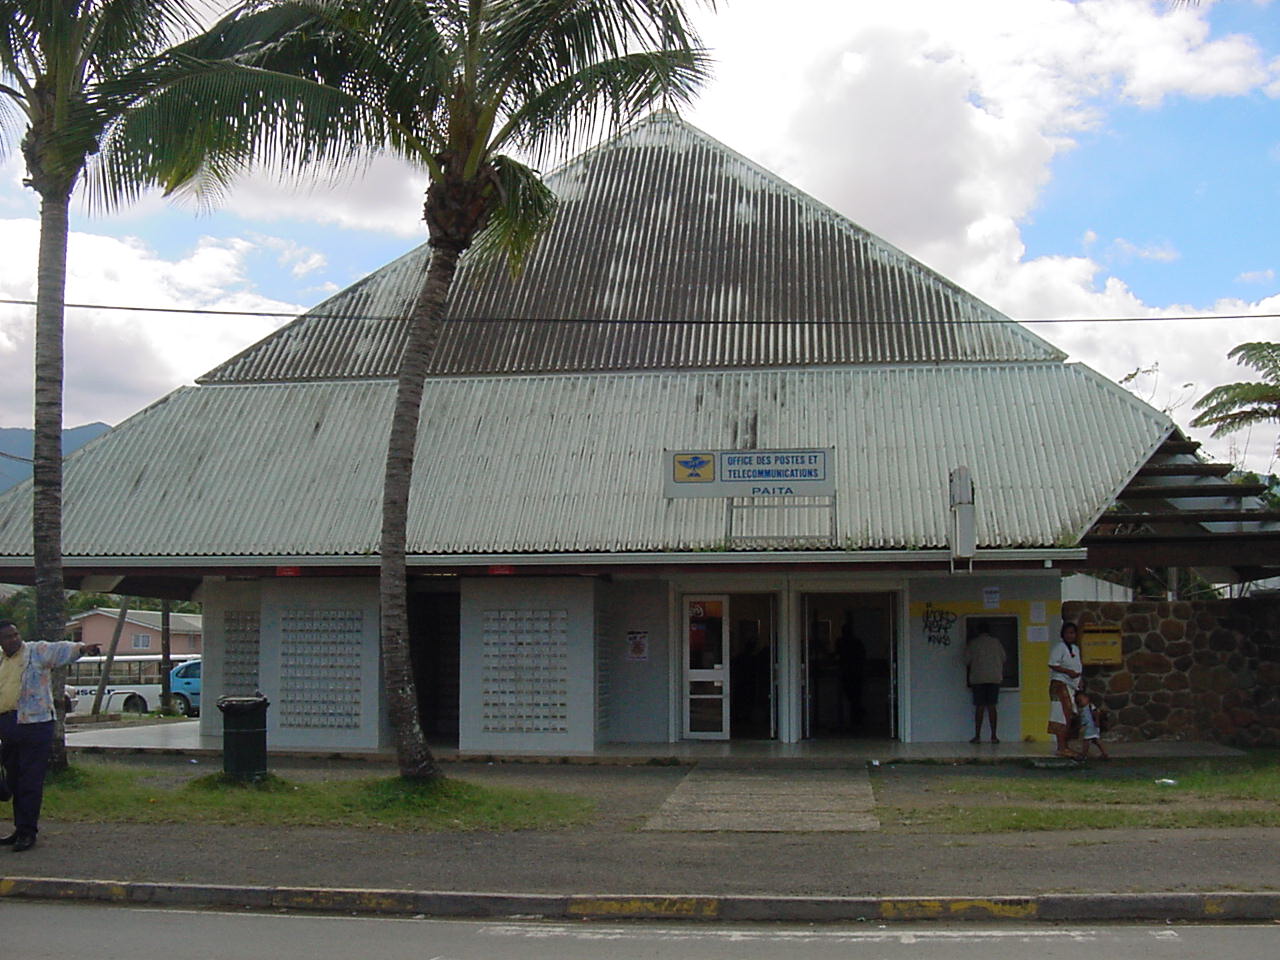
412, 753
46, 509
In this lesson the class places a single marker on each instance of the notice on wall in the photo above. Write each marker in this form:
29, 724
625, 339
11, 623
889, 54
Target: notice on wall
1100, 645
637, 645
990, 598
1037, 634
1037, 612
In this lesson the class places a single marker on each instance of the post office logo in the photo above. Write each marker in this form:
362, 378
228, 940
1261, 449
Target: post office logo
695, 467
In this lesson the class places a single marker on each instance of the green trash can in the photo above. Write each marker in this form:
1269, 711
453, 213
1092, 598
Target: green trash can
244, 736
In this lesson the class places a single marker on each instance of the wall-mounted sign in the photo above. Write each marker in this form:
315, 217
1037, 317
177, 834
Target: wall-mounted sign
637, 645
288, 571
749, 473
1101, 645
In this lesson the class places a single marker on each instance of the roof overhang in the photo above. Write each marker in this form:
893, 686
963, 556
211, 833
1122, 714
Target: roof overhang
177, 577
1180, 511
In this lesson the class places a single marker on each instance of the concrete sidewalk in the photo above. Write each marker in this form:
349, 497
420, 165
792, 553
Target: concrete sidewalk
183, 737
615, 867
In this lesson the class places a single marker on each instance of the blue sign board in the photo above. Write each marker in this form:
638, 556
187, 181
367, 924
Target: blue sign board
749, 473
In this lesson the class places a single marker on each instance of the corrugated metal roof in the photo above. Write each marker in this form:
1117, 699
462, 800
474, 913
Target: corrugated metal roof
714, 261
572, 463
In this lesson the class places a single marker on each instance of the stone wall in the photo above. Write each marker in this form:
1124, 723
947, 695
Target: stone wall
1191, 671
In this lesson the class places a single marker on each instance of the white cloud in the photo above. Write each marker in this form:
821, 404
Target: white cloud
935, 124
1162, 252
1257, 276
299, 260
118, 361
386, 197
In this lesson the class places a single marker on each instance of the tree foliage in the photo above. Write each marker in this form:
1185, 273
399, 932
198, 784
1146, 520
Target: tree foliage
1234, 406
475, 93
19, 606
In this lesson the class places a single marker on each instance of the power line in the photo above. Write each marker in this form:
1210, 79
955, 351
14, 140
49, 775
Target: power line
272, 314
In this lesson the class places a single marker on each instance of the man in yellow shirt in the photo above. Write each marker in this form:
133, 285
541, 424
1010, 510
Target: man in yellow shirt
26, 724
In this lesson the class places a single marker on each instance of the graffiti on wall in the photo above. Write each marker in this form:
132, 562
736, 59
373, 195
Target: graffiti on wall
938, 624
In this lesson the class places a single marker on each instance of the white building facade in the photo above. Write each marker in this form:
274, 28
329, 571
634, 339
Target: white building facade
566, 592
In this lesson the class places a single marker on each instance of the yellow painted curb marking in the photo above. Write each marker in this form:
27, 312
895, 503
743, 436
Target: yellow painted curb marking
646, 907
935, 909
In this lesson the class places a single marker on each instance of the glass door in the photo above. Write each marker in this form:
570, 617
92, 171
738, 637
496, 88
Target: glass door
706, 667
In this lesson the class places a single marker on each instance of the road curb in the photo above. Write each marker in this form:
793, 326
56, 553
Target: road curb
1077, 908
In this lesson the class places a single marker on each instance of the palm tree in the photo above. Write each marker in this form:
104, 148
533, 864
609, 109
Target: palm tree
1232, 406
70, 72
460, 85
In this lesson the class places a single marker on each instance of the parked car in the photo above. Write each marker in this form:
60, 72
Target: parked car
184, 685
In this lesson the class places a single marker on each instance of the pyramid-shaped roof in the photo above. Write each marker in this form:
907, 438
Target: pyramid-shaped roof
670, 251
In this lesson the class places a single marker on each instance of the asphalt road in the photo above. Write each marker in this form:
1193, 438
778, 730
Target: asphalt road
35, 931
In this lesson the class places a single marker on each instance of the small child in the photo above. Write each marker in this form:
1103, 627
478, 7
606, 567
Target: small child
1090, 730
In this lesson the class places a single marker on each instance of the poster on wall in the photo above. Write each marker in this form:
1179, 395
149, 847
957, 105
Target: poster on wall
990, 598
637, 645
1101, 645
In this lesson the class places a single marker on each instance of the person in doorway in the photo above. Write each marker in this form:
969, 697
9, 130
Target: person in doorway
852, 654
1065, 670
984, 657
26, 723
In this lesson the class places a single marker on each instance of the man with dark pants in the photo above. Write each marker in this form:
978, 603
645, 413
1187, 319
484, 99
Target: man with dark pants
984, 656
26, 724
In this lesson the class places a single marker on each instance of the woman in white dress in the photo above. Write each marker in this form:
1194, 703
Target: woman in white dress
1065, 669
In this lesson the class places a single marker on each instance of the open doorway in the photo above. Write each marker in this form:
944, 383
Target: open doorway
751, 671
730, 671
849, 669
434, 647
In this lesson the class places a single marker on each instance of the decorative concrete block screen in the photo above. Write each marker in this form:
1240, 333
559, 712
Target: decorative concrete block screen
1191, 670
320, 667
241, 637
524, 675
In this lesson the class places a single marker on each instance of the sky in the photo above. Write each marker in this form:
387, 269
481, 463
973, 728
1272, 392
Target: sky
1061, 159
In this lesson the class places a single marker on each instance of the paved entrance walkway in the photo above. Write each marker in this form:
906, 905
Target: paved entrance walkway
769, 801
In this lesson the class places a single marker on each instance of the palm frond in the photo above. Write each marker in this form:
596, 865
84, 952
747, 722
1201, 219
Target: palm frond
12, 119
538, 46
524, 209
391, 56
1232, 420
1232, 406
212, 122
554, 120
1261, 356
117, 34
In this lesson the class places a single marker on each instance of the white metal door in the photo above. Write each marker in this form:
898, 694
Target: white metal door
706, 667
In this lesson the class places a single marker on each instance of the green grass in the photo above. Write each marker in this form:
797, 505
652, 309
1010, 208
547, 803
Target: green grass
1250, 778
1017, 819
1229, 792
99, 792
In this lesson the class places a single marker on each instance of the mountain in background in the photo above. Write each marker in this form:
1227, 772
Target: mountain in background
18, 441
